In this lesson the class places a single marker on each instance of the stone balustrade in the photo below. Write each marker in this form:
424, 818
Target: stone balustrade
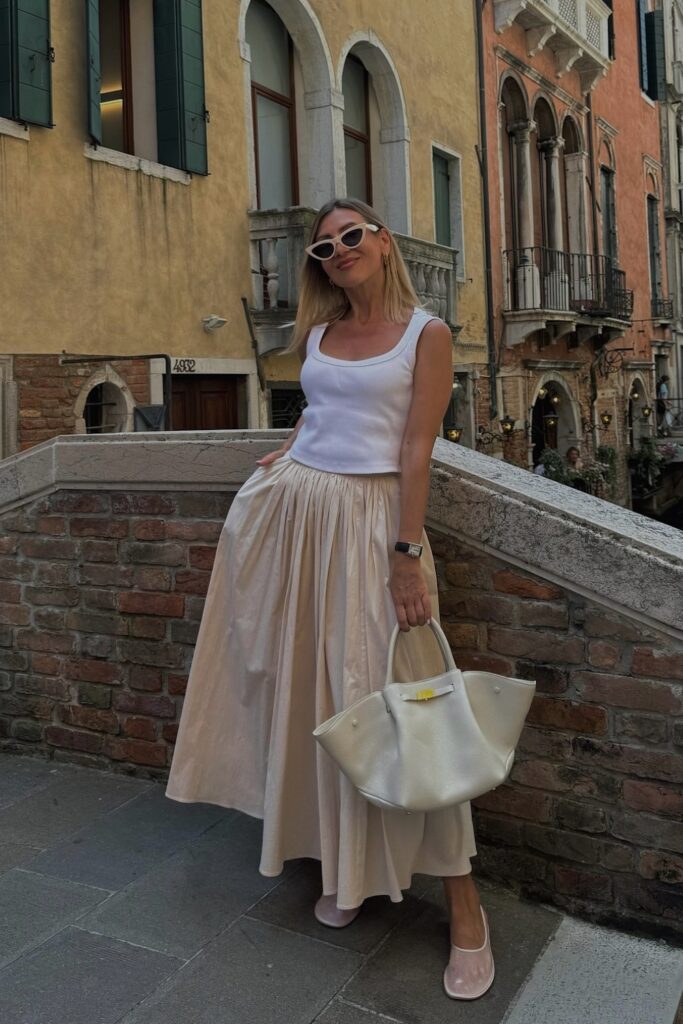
278, 238
106, 548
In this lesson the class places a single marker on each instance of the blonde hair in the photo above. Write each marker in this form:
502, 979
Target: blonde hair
322, 302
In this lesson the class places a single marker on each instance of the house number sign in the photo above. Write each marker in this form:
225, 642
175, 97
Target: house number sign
184, 365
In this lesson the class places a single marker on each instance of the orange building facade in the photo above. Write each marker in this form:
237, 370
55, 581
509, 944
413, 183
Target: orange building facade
578, 265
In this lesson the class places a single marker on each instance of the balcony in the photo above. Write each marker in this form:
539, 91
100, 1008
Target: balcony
563, 291
575, 30
662, 309
277, 239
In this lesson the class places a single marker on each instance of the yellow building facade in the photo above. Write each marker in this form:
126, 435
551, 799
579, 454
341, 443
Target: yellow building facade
114, 242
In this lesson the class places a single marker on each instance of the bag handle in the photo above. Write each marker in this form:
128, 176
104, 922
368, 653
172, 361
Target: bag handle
444, 647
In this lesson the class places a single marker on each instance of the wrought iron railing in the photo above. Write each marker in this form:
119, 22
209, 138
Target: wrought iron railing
662, 309
538, 278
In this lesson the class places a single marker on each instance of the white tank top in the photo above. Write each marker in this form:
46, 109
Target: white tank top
357, 409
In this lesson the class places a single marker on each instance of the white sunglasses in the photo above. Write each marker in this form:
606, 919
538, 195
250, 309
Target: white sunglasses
350, 238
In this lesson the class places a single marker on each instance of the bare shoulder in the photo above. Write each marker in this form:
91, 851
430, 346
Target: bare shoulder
435, 334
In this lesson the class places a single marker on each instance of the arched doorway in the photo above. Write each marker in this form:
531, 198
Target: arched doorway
553, 419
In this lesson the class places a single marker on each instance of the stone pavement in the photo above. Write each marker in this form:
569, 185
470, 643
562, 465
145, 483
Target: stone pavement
118, 906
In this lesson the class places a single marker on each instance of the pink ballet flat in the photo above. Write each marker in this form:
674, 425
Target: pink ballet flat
470, 972
328, 913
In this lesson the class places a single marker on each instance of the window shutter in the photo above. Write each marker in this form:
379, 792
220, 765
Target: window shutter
25, 61
5, 59
656, 57
442, 199
92, 27
642, 44
179, 71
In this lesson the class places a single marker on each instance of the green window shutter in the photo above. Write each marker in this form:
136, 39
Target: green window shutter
656, 57
442, 199
6, 104
34, 62
92, 28
26, 61
179, 72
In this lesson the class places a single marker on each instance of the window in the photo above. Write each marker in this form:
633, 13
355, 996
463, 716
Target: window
654, 247
105, 410
448, 228
272, 97
651, 51
355, 87
611, 50
116, 94
609, 213
287, 401
26, 62
146, 80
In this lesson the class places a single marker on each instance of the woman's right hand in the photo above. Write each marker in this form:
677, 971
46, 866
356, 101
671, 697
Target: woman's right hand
266, 460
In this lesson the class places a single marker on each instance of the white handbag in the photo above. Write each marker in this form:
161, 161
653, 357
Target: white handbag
429, 744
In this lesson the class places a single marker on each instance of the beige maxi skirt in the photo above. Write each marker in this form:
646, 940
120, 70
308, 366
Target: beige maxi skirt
296, 626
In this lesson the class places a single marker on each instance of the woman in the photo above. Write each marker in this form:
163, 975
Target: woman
307, 586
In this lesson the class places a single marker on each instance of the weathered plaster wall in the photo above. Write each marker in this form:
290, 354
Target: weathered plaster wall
100, 258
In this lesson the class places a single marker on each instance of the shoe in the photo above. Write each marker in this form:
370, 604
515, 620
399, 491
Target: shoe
328, 913
470, 972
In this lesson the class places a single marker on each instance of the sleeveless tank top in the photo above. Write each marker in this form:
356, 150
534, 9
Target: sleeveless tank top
357, 409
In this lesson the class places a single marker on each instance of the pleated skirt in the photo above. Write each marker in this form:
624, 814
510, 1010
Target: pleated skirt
296, 627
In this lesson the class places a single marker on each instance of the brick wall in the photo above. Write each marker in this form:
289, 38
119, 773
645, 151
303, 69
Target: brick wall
101, 594
47, 393
100, 601
591, 817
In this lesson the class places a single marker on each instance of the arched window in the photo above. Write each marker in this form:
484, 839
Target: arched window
547, 198
375, 125
573, 187
515, 145
272, 97
105, 409
356, 90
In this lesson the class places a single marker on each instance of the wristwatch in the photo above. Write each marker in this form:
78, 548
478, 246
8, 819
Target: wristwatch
412, 550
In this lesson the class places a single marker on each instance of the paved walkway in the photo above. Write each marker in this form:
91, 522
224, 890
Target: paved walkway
118, 906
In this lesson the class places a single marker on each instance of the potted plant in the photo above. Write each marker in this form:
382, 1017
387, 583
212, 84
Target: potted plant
646, 465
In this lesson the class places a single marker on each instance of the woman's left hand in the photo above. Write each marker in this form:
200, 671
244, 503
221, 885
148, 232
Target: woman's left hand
409, 591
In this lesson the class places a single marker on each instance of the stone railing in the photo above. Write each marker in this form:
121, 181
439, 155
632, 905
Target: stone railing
576, 30
278, 240
106, 550
433, 271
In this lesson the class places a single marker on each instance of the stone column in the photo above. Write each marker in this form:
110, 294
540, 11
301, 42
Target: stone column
521, 134
551, 149
576, 171
526, 274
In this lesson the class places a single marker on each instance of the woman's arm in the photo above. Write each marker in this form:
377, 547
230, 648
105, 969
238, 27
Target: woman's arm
266, 460
432, 389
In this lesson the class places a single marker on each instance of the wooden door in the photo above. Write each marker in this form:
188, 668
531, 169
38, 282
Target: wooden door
209, 402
